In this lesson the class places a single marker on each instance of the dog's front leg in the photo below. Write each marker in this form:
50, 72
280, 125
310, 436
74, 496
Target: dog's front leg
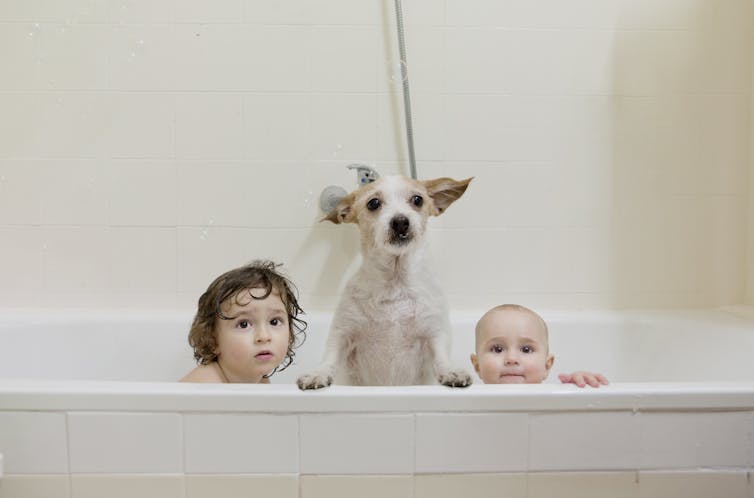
444, 371
324, 374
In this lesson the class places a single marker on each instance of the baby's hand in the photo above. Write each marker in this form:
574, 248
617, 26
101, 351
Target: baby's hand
581, 379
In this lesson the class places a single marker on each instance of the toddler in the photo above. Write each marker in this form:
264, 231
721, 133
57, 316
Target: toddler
512, 348
246, 326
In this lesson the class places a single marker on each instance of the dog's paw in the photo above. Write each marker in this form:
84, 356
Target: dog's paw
455, 378
313, 381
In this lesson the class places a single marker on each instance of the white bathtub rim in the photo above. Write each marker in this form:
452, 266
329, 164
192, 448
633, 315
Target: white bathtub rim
45, 395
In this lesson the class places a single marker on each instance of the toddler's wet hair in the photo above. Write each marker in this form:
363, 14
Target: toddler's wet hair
259, 274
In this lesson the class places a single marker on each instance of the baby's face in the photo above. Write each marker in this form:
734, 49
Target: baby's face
255, 341
511, 348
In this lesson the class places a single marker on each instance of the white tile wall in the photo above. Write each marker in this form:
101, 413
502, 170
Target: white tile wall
33, 443
357, 444
685, 440
241, 444
628, 119
462, 443
125, 443
605, 440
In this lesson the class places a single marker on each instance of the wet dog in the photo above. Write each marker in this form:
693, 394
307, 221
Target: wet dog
391, 326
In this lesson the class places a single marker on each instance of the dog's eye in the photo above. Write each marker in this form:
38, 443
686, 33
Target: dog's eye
417, 200
373, 204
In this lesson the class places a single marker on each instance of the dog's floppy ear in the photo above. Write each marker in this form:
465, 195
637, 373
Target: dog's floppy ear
444, 191
341, 212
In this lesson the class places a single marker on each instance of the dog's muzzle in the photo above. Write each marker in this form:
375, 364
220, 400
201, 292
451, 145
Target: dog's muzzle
400, 230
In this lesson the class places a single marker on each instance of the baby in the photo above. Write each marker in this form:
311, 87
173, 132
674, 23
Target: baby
512, 348
246, 326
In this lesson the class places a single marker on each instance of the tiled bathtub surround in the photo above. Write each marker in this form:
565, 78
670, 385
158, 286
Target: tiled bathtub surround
402, 441
145, 147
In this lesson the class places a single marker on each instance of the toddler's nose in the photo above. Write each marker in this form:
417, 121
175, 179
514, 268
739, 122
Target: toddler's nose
262, 335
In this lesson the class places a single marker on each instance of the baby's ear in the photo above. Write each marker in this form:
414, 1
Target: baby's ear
342, 213
445, 191
475, 362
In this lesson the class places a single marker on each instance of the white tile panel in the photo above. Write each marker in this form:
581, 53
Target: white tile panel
76, 259
209, 126
694, 440
143, 193
343, 127
357, 444
343, 67
583, 441
138, 266
33, 443
143, 126
461, 443
143, 57
71, 57
125, 443
277, 127
241, 444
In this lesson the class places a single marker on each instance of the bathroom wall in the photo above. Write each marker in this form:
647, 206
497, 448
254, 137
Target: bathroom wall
145, 147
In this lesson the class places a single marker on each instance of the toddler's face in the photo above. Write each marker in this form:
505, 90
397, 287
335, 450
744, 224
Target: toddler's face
255, 341
511, 348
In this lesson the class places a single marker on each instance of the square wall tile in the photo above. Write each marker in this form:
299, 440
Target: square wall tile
583, 441
209, 126
237, 486
21, 261
143, 126
241, 444
35, 486
74, 192
143, 193
361, 486
33, 443
76, 258
20, 197
118, 486
125, 443
143, 259
451, 442
142, 58
470, 485
693, 440
357, 444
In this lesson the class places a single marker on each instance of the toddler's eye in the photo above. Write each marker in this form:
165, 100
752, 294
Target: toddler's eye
497, 348
417, 200
276, 321
373, 204
527, 349
243, 324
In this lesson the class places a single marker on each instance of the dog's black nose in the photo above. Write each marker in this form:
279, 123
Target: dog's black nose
399, 224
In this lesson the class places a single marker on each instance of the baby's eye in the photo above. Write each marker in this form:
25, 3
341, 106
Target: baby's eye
527, 349
497, 348
242, 324
276, 321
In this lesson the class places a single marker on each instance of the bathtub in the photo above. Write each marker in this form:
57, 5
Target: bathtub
677, 419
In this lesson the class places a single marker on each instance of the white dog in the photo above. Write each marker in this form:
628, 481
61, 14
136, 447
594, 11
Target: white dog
391, 326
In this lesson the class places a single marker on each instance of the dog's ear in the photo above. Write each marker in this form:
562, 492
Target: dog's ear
341, 212
444, 191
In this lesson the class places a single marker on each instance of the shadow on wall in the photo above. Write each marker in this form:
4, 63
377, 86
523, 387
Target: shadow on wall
680, 148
